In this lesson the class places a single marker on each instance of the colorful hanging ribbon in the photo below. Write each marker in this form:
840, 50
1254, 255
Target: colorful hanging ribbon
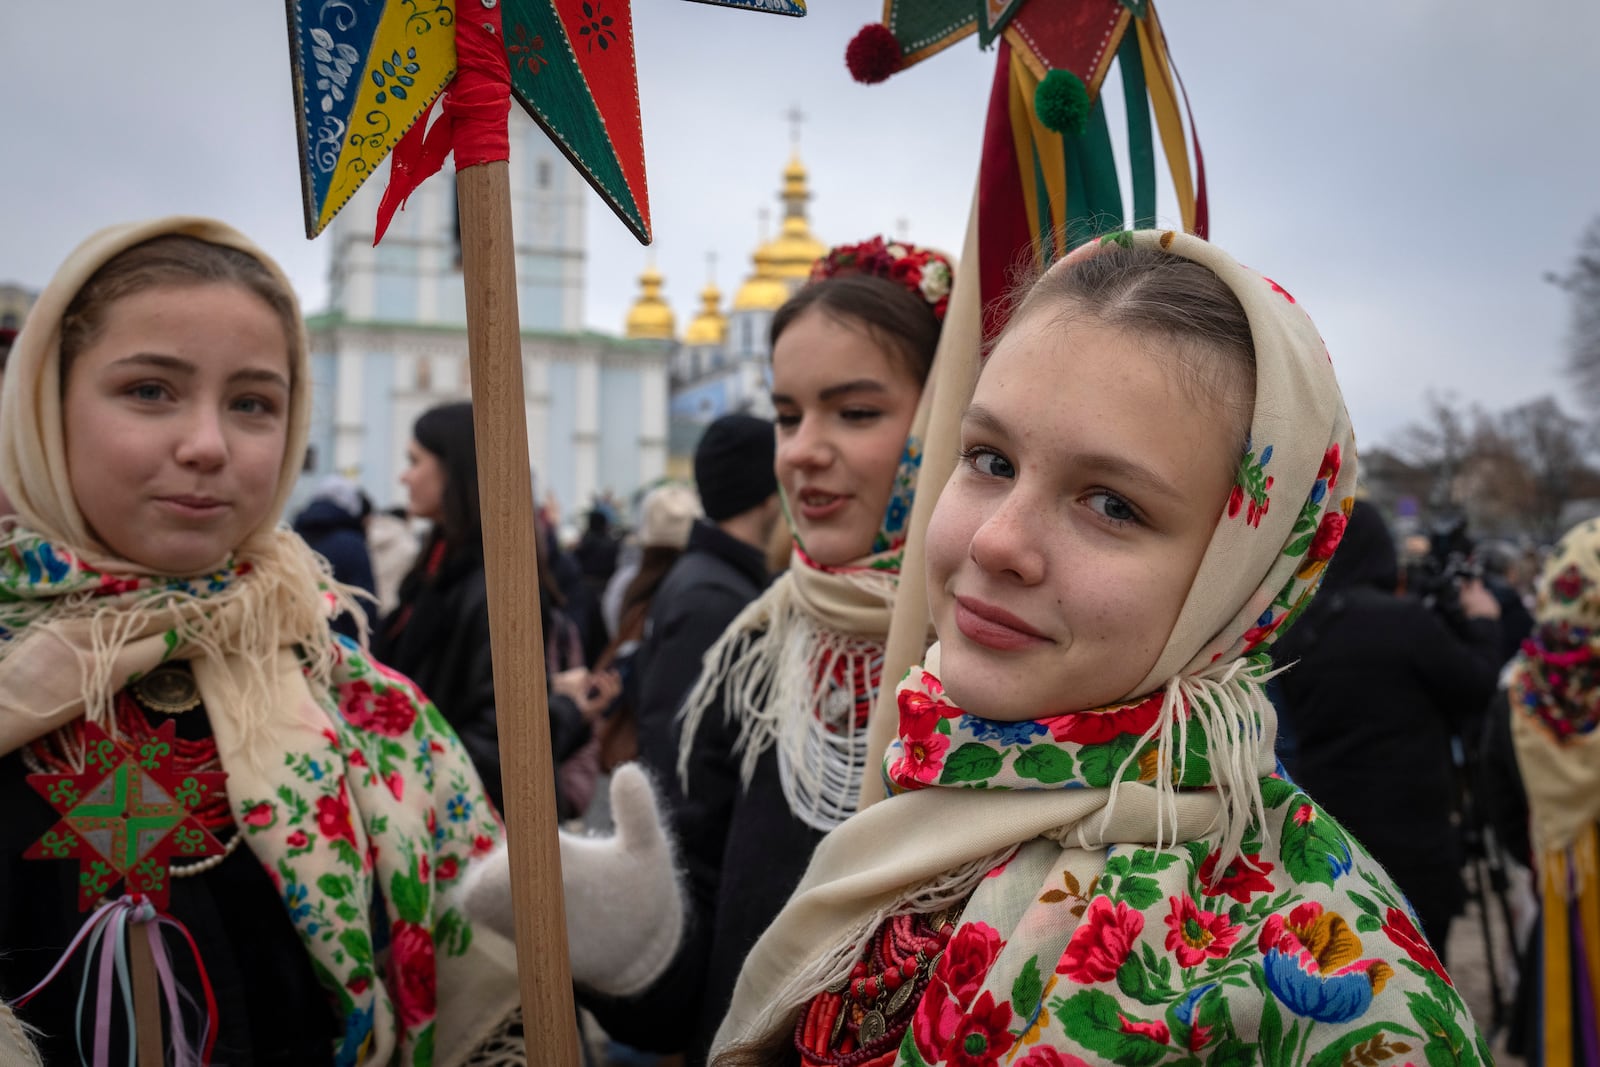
474, 123
107, 930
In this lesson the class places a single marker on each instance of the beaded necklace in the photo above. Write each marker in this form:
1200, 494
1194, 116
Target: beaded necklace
860, 1020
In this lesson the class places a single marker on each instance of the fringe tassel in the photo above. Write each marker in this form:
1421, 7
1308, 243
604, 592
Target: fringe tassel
1229, 704
788, 680
283, 601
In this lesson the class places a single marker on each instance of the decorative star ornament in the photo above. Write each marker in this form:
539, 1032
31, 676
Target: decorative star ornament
127, 816
365, 73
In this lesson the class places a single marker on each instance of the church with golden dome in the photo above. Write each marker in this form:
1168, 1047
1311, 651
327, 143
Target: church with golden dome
719, 364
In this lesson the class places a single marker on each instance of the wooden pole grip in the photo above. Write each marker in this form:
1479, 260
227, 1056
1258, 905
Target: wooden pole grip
516, 642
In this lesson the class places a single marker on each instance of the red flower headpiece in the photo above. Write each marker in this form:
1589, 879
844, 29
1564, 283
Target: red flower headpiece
927, 274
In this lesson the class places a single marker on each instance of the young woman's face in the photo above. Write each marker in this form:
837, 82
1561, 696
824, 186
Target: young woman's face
176, 420
424, 479
844, 407
1063, 547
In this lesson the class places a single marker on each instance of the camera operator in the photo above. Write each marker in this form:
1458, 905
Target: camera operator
1381, 686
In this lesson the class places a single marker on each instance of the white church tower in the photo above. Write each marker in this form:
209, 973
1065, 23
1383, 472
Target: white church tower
392, 342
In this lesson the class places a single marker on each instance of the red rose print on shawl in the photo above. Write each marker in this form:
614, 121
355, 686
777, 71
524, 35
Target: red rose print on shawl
411, 974
1098, 727
921, 761
333, 817
967, 959
1194, 935
1101, 943
1244, 877
1156, 1031
1398, 927
982, 1036
920, 713
1043, 1056
1329, 533
1330, 465
389, 713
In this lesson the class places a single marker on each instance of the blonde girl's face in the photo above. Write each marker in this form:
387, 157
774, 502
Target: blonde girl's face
176, 419
844, 406
1066, 541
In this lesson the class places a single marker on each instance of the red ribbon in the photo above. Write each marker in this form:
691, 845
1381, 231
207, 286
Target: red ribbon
474, 119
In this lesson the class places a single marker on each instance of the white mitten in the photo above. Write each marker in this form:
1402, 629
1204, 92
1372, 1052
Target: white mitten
625, 903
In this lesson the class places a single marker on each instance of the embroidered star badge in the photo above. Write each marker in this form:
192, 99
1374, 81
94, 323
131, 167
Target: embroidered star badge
127, 815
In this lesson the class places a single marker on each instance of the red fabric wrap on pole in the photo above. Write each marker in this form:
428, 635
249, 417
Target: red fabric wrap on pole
474, 125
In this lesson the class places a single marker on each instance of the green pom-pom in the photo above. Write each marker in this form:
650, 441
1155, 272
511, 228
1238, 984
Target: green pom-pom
1062, 102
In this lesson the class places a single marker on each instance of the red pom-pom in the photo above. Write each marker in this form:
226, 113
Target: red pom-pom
873, 55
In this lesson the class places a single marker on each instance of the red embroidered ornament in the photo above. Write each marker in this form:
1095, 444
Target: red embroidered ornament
129, 813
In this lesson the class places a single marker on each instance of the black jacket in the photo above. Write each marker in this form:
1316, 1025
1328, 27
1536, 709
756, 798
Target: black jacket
744, 851
1380, 688
438, 637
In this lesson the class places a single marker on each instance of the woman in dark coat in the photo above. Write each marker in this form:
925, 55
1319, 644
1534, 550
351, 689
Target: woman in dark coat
1379, 686
440, 630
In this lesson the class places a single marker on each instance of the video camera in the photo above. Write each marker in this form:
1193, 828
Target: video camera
1436, 578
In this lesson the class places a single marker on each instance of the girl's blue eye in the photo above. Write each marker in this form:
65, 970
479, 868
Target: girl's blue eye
147, 391
253, 405
988, 462
1113, 507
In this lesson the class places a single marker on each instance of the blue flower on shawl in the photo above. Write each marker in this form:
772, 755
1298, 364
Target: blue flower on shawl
1006, 733
1330, 984
357, 1032
1187, 1007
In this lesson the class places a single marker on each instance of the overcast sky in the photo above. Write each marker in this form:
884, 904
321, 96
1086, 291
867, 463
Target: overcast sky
1410, 171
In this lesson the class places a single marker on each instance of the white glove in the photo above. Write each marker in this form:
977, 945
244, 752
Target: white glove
624, 900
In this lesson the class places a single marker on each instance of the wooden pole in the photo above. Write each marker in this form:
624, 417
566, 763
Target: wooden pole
146, 996
505, 491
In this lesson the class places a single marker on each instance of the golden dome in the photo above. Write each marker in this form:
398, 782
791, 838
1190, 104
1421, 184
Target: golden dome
783, 263
710, 327
763, 290
650, 317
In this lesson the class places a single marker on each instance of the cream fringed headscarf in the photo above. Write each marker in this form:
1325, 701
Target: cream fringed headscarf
68, 646
1260, 570
800, 666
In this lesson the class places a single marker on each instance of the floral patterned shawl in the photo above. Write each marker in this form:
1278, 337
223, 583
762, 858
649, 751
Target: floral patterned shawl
1135, 885
347, 784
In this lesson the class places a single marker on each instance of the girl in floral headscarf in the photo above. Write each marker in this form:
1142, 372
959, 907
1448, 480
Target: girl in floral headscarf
188, 755
1547, 736
774, 740
1089, 858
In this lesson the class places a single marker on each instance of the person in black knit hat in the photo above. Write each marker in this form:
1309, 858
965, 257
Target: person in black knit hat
723, 568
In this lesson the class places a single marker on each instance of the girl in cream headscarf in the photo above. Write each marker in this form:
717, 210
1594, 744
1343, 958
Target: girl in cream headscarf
189, 754
1090, 859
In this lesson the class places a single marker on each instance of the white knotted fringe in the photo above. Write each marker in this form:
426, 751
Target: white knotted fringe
1229, 705
788, 680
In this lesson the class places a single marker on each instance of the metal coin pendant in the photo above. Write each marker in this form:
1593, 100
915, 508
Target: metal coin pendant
838, 1024
898, 1000
839, 986
168, 689
873, 1027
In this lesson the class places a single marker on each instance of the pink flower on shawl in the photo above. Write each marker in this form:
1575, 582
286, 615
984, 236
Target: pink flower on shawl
982, 1036
1101, 943
412, 974
919, 714
921, 762
967, 959
1330, 465
1045, 1056
1195, 936
1329, 533
389, 713
1156, 1031
333, 817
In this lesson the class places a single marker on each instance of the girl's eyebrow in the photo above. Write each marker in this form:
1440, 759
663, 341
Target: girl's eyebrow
833, 392
174, 365
980, 418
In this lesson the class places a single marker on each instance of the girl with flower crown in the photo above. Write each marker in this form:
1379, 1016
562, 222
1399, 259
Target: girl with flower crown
1088, 857
188, 755
774, 740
